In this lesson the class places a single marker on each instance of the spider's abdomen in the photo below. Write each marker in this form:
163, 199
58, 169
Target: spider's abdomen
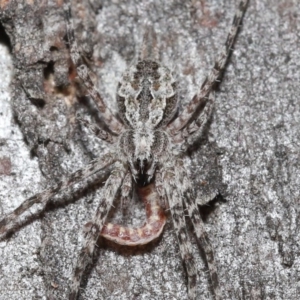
146, 95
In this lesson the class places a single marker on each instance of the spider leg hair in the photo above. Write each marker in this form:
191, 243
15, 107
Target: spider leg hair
174, 193
83, 72
95, 170
189, 111
92, 234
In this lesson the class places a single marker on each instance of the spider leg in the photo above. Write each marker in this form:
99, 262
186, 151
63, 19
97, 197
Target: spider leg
189, 111
202, 237
193, 131
21, 214
97, 131
174, 195
83, 72
159, 186
126, 189
204, 242
152, 229
92, 234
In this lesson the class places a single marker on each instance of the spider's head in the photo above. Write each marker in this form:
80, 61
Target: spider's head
143, 139
144, 148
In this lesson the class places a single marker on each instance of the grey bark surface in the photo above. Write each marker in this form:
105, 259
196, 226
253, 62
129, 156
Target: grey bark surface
250, 154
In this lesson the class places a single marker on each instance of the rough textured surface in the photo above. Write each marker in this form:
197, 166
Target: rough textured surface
253, 145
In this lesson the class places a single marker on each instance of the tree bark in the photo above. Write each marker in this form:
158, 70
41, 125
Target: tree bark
249, 156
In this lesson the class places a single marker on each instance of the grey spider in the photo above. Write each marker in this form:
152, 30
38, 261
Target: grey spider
149, 143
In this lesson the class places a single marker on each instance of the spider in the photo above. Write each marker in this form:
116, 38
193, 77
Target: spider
149, 141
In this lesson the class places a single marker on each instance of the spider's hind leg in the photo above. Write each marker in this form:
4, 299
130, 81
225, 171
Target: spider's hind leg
193, 131
196, 128
84, 74
209, 82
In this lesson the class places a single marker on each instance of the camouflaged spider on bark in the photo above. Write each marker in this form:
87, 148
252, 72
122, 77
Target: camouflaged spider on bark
148, 142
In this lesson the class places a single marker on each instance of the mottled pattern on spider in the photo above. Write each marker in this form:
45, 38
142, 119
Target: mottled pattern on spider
149, 143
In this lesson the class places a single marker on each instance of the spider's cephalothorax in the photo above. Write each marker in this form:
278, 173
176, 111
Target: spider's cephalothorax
148, 141
146, 100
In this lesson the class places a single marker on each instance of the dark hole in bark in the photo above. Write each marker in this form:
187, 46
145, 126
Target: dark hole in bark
48, 70
4, 38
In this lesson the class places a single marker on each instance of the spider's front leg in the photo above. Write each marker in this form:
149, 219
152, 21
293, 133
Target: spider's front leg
178, 190
202, 237
174, 194
203, 242
92, 233
95, 170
